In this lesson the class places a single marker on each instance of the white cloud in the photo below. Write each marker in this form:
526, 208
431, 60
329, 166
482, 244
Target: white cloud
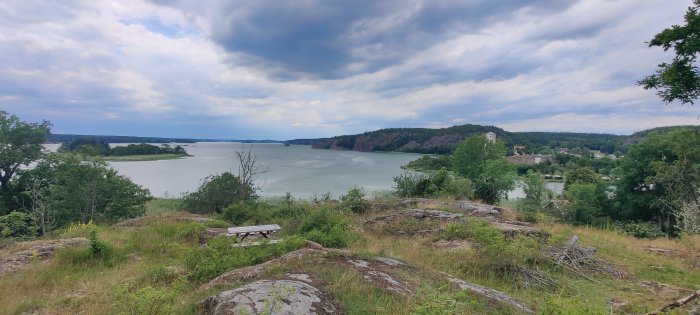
131, 60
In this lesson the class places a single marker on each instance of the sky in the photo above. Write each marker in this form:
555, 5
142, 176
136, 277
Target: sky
271, 69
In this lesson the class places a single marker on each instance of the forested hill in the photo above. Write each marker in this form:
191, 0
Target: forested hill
445, 140
67, 138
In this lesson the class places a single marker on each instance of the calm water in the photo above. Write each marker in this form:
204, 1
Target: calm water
300, 170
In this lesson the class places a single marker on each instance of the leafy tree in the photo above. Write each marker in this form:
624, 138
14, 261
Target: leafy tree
68, 188
587, 203
471, 156
679, 80
20, 144
581, 175
659, 177
536, 193
216, 192
17, 225
495, 181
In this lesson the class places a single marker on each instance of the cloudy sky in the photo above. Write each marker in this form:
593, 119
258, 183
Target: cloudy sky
312, 68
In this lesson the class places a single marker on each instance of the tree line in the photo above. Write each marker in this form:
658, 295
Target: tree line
98, 146
656, 187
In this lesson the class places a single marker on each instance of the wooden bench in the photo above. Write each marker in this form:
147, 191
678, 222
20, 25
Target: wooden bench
266, 231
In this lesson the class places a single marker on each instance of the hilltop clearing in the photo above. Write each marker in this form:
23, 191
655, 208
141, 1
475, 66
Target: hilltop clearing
401, 256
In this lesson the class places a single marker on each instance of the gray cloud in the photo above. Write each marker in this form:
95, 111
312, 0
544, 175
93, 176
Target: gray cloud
317, 68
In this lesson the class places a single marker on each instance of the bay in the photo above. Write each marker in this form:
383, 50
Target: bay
300, 170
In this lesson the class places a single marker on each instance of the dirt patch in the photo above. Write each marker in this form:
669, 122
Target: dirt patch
19, 260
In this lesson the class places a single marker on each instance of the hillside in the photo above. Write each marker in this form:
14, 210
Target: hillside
445, 140
404, 256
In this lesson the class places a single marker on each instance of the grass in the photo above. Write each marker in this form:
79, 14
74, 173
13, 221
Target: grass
157, 261
146, 157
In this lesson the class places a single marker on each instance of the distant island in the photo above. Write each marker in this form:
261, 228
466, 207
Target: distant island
131, 152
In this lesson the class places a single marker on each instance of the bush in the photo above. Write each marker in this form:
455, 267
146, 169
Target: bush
426, 186
204, 263
216, 192
355, 201
146, 300
327, 228
640, 229
460, 187
18, 225
253, 213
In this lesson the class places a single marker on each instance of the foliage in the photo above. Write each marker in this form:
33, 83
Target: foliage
496, 180
20, 144
88, 146
414, 185
355, 201
536, 193
146, 149
242, 213
132, 300
680, 79
455, 231
440, 303
326, 227
580, 175
659, 177
219, 256
17, 225
446, 140
588, 202
440, 183
97, 247
216, 192
471, 156
537, 196
640, 229
428, 162
87, 190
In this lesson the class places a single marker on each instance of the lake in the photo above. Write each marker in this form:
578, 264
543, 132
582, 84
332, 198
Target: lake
299, 170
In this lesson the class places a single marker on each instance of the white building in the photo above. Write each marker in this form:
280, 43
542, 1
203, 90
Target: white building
491, 137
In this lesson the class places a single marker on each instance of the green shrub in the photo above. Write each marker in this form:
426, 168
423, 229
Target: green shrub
327, 228
460, 187
97, 247
640, 229
18, 225
147, 300
455, 231
217, 192
204, 263
252, 213
355, 201
414, 185
188, 232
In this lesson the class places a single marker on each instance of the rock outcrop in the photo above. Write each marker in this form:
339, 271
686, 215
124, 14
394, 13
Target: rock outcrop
293, 294
19, 260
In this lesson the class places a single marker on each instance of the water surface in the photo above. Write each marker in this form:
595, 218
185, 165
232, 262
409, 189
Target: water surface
300, 170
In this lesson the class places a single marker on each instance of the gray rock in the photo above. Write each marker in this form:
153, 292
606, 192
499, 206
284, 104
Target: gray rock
431, 214
43, 251
286, 296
